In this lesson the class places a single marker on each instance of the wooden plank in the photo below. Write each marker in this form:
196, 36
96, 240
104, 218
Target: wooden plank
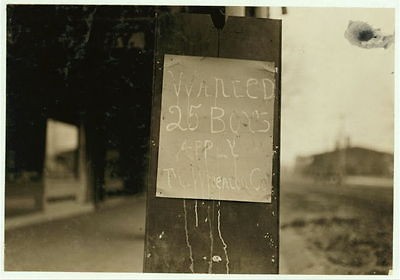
169, 221
202, 236
256, 225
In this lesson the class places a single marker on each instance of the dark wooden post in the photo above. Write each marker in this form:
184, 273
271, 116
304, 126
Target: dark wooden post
206, 236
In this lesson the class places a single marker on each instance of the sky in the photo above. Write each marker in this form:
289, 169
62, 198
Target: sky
332, 88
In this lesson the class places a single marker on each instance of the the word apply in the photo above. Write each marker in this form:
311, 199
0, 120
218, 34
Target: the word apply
216, 129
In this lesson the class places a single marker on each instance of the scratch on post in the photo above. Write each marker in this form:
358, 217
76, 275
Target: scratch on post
196, 213
210, 262
222, 239
191, 267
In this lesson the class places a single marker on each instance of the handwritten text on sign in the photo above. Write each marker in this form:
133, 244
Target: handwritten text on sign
216, 129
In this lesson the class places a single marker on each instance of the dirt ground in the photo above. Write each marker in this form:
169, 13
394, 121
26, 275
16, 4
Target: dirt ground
325, 229
110, 239
330, 229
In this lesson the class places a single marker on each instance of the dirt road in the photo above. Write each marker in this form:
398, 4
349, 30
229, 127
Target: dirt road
329, 229
110, 239
325, 229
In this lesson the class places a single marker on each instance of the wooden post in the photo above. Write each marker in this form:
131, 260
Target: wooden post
235, 11
262, 12
210, 236
95, 158
83, 194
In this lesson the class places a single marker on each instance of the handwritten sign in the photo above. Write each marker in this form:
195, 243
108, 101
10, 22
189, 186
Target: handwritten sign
216, 129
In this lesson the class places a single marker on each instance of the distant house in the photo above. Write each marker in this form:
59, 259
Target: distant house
350, 161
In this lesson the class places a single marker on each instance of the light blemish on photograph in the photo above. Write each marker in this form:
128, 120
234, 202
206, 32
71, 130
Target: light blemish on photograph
365, 36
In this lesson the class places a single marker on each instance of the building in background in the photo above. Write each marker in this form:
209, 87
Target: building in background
344, 163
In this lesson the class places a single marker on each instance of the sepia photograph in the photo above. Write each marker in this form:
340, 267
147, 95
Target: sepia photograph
195, 140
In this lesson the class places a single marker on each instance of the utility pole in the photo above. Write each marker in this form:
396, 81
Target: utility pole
192, 233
